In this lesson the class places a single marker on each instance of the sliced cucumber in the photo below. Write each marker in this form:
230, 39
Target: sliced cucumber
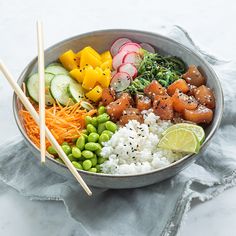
59, 89
32, 86
86, 105
54, 64
56, 70
76, 91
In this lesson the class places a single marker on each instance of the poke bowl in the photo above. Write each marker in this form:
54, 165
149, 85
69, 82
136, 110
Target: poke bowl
130, 108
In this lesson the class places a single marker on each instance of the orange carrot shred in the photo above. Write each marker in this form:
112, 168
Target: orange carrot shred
65, 123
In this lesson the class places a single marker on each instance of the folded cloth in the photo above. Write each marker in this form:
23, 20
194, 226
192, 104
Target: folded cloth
158, 209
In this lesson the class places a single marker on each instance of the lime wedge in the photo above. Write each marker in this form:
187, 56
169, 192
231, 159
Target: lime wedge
180, 140
198, 130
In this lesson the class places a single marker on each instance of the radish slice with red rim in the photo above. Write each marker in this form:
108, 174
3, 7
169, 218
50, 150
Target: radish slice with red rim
133, 58
129, 68
115, 47
148, 47
130, 47
118, 59
120, 81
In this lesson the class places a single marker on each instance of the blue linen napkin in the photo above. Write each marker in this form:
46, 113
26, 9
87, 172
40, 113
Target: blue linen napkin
153, 210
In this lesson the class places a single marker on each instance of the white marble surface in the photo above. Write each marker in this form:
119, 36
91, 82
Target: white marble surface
209, 22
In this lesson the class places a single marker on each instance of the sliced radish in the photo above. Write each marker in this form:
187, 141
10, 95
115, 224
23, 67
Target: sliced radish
118, 59
118, 44
120, 81
130, 47
129, 69
133, 58
148, 47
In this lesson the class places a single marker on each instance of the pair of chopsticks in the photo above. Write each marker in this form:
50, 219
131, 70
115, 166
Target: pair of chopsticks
40, 119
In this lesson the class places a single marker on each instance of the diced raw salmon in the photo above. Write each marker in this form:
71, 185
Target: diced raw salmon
143, 102
108, 96
178, 84
154, 88
163, 107
116, 108
182, 101
194, 77
205, 96
130, 114
192, 90
201, 115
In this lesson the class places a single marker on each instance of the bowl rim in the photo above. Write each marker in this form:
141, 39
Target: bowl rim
215, 126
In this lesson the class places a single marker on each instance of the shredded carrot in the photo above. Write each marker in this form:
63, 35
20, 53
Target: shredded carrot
65, 123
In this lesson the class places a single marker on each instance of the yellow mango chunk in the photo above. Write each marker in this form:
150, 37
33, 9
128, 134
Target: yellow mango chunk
68, 60
95, 94
90, 78
79, 74
105, 56
91, 50
107, 65
87, 58
105, 79
99, 71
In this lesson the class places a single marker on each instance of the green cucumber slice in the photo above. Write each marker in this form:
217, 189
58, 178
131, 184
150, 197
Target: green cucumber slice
32, 85
76, 91
54, 64
56, 70
59, 89
86, 105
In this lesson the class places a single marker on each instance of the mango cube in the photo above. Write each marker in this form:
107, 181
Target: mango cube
105, 56
105, 78
68, 60
95, 94
90, 78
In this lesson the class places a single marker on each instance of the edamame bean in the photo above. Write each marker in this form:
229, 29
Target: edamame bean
93, 137
94, 121
88, 120
51, 150
111, 126
71, 157
65, 143
77, 165
98, 167
91, 128
99, 146
101, 160
66, 149
80, 142
87, 164
101, 110
103, 118
101, 128
98, 152
76, 152
86, 137
92, 146
94, 160
93, 170
85, 131
103, 138
87, 154
108, 132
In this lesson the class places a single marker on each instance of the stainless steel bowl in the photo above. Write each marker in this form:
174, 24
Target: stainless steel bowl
101, 41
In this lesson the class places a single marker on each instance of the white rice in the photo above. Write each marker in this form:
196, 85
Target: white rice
133, 148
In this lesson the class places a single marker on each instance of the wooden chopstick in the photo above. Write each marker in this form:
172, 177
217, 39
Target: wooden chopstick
41, 90
49, 135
